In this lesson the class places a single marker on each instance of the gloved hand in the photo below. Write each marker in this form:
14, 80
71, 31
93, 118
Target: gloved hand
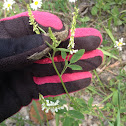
14, 52
19, 86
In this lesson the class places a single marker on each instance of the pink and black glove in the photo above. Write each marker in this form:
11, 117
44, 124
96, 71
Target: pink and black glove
19, 86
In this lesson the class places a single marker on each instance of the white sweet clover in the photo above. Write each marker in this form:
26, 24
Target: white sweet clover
72, 1
72, 31
50, 105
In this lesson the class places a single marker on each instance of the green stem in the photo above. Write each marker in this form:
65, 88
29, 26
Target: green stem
59, 75
37, 112
57, 119
65, 67
46, 118
62, 79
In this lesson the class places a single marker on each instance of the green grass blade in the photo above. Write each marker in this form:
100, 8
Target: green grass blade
37, 112
108, 54
57, 119
106, 98
110, 35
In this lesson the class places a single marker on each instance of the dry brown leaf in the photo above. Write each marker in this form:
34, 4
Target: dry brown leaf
33, 114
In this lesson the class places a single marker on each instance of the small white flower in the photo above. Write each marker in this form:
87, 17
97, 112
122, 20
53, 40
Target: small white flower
56, 109
52, 106
57, 102
47, 110
72, 1
73, 51
119, 44
8, 4
36, 4
27, 117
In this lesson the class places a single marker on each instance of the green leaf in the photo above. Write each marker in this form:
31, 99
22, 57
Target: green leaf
115, 97
90, 101
110, 35
117, 122
75, 67
81, 101
57, 119
61, 111
77, 56
108, 97
76, 114
106, 7
123, 110
110, 123
75, 123
108, 54
115, 11
85, 19
63, 54
41, 30
94, 10
67, 121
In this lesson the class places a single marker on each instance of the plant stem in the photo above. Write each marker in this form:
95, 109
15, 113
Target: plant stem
65, 67
57, 119
72, 100
46, 118
59, 75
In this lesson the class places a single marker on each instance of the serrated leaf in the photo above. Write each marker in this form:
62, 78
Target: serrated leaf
67, 121
61, 111
77, 56
75, 67
85, 19
80, 101
94, 10
76, 114
63, 54
106, 7
115, 11
75, 123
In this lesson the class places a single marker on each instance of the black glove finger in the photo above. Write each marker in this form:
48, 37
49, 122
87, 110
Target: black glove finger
89, 61
85, 38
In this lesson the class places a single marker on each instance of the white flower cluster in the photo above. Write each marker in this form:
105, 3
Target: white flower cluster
119, 44
52, 106
72, 31
71, 42
8, 4
72, 1
36, 4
